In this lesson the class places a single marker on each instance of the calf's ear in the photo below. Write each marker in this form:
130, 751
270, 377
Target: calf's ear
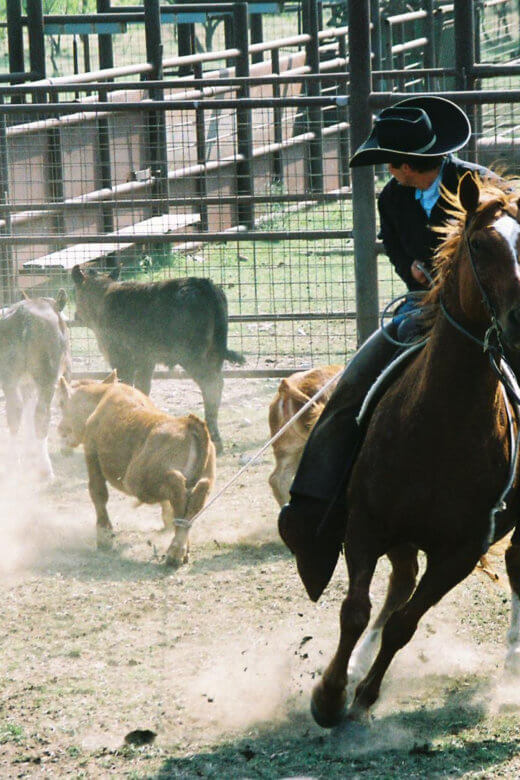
115, 272
78, 277
110, 379
61, 299
64, 389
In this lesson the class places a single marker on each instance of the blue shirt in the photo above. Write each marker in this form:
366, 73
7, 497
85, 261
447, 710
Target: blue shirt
428, 198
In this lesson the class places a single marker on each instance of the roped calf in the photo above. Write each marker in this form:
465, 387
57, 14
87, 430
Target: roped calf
174, 322
141, 451
293, 393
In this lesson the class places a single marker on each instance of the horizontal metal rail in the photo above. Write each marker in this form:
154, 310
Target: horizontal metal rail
129, 16
50, 86
83, 201
172, 105
307, 316
409, 16
172, 238
471, 97
402, 48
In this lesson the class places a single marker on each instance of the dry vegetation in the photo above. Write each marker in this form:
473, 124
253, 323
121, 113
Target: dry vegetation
219, 657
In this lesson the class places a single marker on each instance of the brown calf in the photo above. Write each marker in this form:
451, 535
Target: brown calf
141, 451
293, 393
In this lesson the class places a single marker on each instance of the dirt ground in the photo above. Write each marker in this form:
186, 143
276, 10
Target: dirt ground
219, 657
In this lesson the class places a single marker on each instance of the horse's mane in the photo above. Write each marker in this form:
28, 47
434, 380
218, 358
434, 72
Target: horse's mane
495, 194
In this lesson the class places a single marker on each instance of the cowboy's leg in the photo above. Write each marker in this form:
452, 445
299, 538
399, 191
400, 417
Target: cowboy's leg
333, 441
312, 523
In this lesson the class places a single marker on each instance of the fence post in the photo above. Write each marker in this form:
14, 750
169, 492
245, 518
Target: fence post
36, 38
429, 49
465, 57
363, 190
257, 35
15, 36
310, 26
105, 48
185, 36
201, 181
277, 120
245, 180
343, 116
7, 280
157, 120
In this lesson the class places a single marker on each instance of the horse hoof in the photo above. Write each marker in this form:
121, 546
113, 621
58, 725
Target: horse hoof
104, 539
328, 716
174, 561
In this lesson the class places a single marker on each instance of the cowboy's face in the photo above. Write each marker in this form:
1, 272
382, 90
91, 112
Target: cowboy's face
404, 174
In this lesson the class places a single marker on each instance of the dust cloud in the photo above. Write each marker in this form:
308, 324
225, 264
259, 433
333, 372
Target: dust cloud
34, 527
245, 684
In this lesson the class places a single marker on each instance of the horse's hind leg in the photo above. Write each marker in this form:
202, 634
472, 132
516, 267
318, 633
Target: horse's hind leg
329, 695
512, 663
444, 570
400, 587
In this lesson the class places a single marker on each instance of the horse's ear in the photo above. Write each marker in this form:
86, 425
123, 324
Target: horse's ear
61, 299
110, 379
78, 276
469, 193
115, 272
64, 389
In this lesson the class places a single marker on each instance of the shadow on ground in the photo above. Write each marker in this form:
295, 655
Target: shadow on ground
419, 744
86, 563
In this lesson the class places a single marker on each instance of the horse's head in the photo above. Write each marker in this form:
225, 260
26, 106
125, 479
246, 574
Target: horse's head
488, 267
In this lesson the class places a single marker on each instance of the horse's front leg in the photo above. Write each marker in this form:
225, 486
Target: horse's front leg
400, 587
512, 663
329, 695
444, 570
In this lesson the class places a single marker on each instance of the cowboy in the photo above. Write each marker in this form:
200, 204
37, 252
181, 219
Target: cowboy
416, 138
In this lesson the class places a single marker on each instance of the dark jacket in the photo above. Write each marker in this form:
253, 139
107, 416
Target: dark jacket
405, 226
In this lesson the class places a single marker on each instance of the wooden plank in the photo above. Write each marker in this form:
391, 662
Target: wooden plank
87, 253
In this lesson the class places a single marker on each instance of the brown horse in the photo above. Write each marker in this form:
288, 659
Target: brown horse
436, 456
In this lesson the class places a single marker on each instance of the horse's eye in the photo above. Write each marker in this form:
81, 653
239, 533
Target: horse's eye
476, 243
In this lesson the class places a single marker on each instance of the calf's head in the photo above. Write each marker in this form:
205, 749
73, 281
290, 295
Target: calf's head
90, 288
77, 402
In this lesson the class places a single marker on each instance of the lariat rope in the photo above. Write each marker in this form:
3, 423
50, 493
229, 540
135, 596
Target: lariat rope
185, 523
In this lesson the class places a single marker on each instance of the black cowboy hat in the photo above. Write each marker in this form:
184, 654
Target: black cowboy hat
418, 126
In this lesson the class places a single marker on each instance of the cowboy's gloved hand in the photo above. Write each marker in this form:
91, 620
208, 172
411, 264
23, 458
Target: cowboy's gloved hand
418, 274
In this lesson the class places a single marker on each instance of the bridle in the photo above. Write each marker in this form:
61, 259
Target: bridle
493, 346
492, 342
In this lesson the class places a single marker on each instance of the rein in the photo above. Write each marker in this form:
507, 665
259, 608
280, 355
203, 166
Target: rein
492, 345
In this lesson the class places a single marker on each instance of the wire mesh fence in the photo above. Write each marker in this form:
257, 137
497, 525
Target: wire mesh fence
240, 179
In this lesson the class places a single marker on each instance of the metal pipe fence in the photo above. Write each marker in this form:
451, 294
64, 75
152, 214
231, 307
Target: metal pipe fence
239, 175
